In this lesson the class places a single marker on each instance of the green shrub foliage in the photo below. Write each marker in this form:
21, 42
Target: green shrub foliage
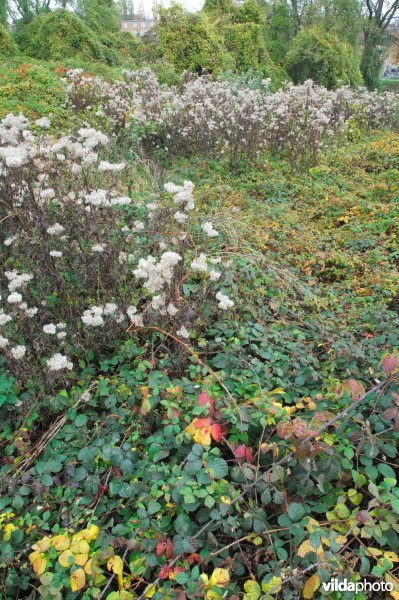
59, 35
321, 56
7, 45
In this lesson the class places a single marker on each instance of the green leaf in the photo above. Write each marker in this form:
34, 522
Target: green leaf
209, 501
153, 507
386, 470
296, 511
217, 468
80, 420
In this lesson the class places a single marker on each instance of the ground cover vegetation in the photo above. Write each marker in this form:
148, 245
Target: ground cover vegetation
199, 299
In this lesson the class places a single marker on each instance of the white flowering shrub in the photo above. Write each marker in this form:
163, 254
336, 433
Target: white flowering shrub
215, 117
81, 262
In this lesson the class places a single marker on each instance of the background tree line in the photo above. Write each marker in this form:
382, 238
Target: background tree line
334, 42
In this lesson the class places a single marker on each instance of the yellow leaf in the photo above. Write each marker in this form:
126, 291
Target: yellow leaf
92, 532
389, 578
310, 587
80, 546
273, 586
60, 542
312, 525
373, 552
201, 435
213, 595
252, 590
38, 562
77, 580
146, 406
115, 564
150, 591
66, 558
8, 529
42, 545
306, 547
391, 556
219, 577
81, 559
89, 567
89, 534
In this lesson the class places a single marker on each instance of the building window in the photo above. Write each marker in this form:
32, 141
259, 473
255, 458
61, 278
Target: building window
126, 25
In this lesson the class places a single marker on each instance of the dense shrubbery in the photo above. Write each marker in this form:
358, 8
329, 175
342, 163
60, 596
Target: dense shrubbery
321, 56
59, 35
227, 118
89, 260
7, 45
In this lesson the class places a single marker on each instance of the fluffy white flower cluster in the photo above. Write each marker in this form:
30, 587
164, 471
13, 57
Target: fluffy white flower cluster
17, 279
102, 198
182, 194
200, 263
224, 301
55, 229
106, 166
18, 352
44, 122
55, 329
58, 362
4, 319
94, 316
157, 274
208, 228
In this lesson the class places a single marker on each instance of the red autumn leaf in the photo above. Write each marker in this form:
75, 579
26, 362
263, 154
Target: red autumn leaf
299, 428
355, 388
284, 430
193, 558
215, 432
243, 453
169, 549
160, 548
164, 572
363, 516
199, 423
390, 364
116, 472
204, 400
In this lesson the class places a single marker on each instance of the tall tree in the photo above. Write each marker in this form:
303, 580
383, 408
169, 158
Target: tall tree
379, 16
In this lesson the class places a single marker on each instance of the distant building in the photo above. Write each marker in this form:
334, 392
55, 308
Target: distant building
136, 25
